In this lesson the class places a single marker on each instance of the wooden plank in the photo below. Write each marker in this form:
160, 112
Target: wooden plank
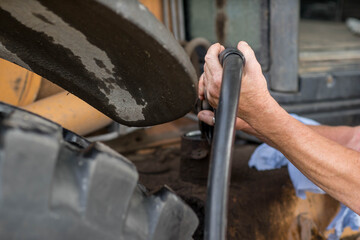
327, 46
339, 55
326, 36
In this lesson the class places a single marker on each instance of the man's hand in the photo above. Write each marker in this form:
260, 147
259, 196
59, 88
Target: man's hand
254, 96
328, 164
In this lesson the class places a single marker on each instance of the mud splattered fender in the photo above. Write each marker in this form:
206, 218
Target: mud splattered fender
113, 54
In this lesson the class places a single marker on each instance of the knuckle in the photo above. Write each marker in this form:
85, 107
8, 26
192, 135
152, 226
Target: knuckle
208, 57
215, 46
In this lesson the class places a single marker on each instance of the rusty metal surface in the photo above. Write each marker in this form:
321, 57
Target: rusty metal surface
112, 54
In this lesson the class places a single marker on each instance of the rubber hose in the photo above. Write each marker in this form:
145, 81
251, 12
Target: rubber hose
222, 145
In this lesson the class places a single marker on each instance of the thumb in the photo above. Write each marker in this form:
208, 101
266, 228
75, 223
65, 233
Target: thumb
206, 116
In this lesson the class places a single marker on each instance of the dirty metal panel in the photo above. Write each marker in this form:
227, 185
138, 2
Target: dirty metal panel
229, 21
284, 21
113, 54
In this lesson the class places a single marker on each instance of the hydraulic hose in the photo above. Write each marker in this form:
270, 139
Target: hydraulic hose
232, 61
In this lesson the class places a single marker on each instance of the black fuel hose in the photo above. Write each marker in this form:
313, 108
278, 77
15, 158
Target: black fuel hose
232, 61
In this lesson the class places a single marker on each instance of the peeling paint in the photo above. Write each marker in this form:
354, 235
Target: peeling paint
118, 6
94, 59
142, 7
122, 38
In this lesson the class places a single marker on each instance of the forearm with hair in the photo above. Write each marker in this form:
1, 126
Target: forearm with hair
327, 163
340, 134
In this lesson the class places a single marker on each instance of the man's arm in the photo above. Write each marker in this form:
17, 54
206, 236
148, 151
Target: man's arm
331, 166
344, 135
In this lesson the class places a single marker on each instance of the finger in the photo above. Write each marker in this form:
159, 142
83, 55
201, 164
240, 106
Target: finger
201, 87
208, 77
212, 100
212, 58
251, 64
206, 116
212, 87
246, 50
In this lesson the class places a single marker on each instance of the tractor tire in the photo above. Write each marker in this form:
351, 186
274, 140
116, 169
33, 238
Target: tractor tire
55, 184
